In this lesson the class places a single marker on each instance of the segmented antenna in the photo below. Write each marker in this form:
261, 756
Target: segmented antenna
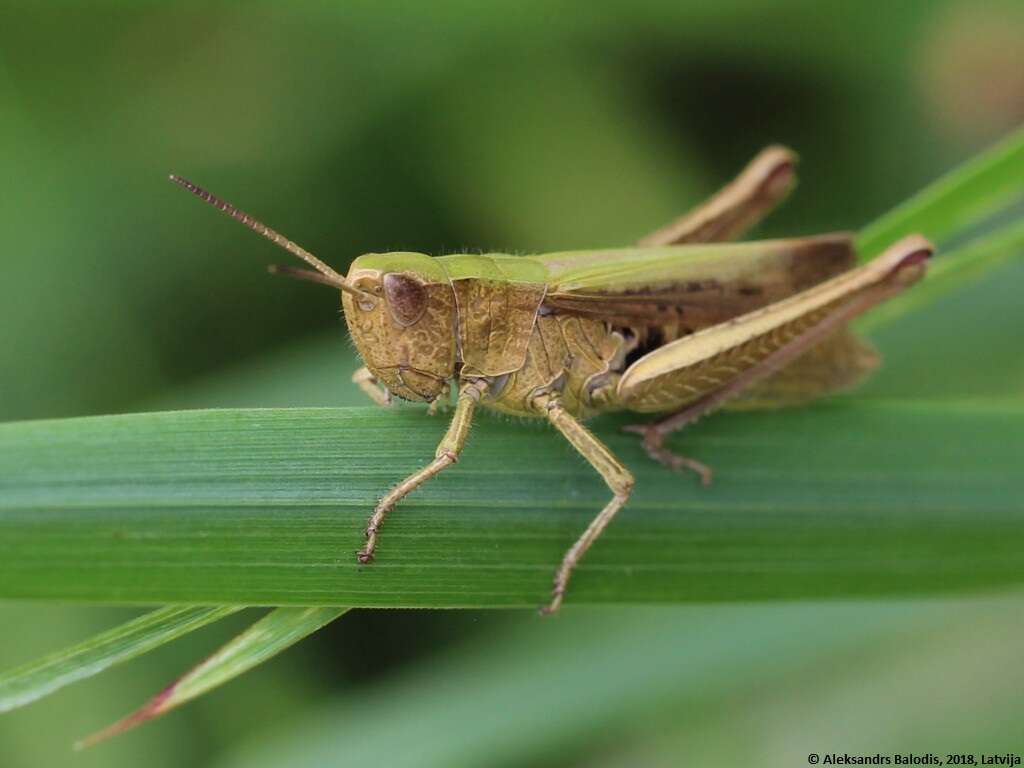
330, 276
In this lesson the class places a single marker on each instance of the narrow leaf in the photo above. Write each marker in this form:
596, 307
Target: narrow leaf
268, 507
38, 678
278, 630
981, 187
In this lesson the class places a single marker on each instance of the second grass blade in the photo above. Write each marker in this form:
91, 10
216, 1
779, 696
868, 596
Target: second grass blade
38, 678
981, 187
272, 634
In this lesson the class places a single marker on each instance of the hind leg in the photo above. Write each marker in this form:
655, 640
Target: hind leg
654, 443
910, 250
762, 185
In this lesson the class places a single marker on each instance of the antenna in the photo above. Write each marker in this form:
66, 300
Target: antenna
330, 276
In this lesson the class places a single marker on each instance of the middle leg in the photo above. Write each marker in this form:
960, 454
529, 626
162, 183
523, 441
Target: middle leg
618, 478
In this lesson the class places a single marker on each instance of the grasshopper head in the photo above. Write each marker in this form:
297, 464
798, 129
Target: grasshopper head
402, 320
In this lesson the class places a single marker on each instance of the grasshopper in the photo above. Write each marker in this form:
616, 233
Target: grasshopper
679, 325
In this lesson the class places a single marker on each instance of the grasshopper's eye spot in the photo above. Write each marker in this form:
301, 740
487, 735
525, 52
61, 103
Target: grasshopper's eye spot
406, 297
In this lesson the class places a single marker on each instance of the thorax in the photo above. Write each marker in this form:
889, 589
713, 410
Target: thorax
579, 357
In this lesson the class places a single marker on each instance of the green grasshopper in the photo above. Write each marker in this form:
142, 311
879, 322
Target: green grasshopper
679, 325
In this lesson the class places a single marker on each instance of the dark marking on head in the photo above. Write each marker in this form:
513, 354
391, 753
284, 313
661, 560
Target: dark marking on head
750, 290
406, 297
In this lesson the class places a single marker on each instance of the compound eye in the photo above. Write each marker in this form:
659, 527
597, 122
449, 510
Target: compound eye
406, 297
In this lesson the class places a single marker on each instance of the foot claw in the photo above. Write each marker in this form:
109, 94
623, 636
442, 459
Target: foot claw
682, 465
364, 557
552, 607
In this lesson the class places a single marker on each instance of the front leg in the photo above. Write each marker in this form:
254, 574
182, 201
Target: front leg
447, 453
441, 402
619, 479
367, 382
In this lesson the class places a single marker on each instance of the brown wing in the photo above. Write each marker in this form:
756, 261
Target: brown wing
721, 362
695, 286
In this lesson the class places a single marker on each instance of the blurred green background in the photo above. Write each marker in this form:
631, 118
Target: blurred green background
518, 126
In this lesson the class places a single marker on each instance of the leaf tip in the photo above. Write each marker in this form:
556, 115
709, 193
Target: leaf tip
155, 707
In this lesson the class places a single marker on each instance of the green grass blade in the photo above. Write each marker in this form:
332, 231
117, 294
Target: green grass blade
41, 677
278, 630
982, 187
268, 507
